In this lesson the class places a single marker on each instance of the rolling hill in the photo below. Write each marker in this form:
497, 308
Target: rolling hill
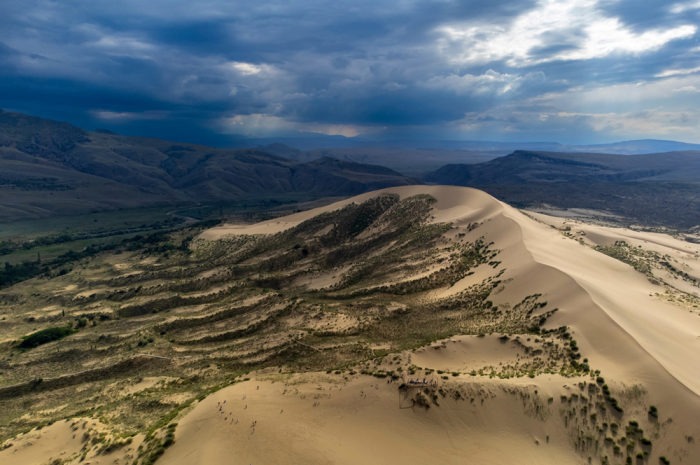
660, 189
526, 166
50, 168
409, 161
318, 141
417, 160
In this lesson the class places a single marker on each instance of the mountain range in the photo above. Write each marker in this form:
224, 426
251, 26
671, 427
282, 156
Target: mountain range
660, 189
319, 141
411, 162
51, 168
416, 158
528, 166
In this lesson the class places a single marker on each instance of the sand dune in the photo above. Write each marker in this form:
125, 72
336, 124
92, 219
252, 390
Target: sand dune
646, 346
349, 428
65, 442
669, 334
635, 338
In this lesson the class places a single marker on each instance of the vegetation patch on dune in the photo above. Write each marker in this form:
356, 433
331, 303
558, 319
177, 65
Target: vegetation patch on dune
201, 313
45, 336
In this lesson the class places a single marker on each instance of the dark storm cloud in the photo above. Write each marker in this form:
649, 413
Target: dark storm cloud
461, 68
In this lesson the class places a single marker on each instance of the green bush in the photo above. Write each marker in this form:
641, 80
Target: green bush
45, 336
664, 460
653, 411
169, 439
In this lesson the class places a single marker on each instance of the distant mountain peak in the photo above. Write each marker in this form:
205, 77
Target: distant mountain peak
105, 131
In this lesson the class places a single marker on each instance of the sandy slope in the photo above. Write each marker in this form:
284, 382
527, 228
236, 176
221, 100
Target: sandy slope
635, 338
349, 428
669, 334
63, 441
647, 349
53, 442
684, 255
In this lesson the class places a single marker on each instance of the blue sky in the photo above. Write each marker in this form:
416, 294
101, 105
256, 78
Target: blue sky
572, 71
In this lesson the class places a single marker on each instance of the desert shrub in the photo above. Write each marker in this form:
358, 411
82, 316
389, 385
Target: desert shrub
45, 336
653, 411
664, 460
645, 441
169, 439
422, 400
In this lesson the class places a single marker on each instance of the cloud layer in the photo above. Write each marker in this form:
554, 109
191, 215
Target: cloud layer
574, 71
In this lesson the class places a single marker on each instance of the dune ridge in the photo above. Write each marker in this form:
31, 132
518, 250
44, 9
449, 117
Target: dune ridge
642, 345
674, 341
643, 342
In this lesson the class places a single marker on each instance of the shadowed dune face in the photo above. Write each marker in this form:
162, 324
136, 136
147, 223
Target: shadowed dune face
512, 322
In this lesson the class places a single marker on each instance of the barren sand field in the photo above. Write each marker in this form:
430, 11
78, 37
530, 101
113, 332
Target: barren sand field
611, 375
